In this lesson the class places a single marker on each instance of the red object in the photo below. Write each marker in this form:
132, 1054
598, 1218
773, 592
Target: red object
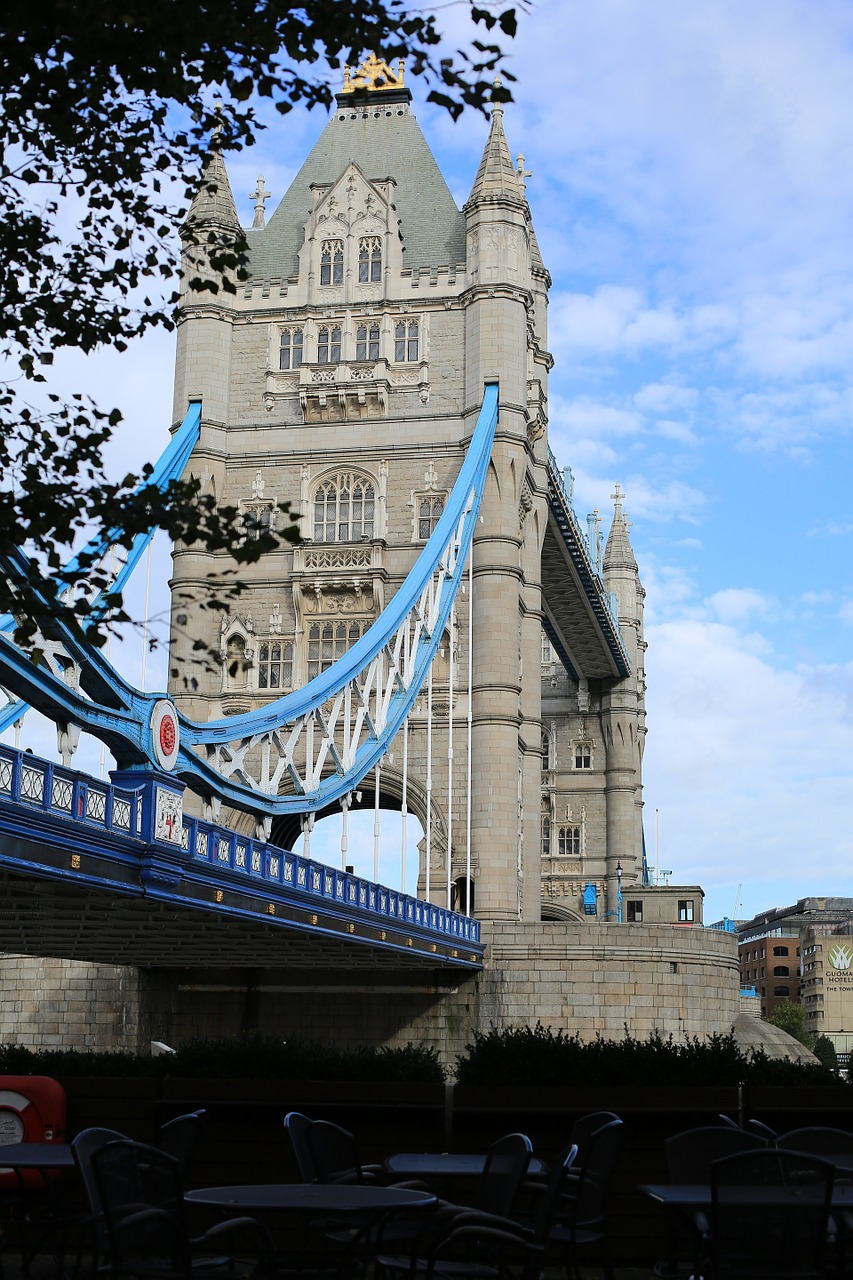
167, 735
32, 1109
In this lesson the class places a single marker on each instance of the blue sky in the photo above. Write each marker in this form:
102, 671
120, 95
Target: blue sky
692, 192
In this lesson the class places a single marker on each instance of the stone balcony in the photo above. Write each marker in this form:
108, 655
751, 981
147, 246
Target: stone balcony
352, 390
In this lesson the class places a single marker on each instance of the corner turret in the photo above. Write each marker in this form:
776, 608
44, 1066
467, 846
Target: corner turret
213, 242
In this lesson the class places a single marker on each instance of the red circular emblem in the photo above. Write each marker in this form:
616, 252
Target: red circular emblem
167, 735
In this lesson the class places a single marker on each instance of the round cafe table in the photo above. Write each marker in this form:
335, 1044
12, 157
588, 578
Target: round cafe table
311, 1197
448, 1164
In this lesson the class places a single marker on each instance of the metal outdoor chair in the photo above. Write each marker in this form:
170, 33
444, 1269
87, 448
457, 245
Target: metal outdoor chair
179, 1138
436, 1249
142, 1202
582, 1227
821, 1141
297, 1126
689, 1156
769, 1216
89, 1223
333, 1151
481, 1246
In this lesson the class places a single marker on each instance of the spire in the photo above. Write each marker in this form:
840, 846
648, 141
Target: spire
497, 177
619, 554
213, 203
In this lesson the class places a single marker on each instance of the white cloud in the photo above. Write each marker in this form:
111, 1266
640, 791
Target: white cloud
752, 764
734, 604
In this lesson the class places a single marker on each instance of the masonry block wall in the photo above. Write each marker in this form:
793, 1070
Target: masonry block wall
63, 1004
589, 979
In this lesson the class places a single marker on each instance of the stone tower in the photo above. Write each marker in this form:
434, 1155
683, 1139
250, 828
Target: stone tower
345, 375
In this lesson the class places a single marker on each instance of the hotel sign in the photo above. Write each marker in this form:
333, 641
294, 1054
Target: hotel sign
838, 969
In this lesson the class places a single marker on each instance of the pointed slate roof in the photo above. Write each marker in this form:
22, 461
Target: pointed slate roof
619, 553
497, 176
385, 141
213, 203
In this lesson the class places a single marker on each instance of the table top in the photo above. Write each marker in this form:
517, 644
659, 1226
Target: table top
698, 1195
36, 1155
441, 1164
312, 1197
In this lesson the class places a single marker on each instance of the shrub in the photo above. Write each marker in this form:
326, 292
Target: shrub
540, 1056
252, 1056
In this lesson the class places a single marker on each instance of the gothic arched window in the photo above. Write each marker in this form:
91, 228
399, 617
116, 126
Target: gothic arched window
275, 665
328, 641
344, 508
569, 845
367, 342
369, 259
332, 262
406, 335
290, 351
329, 345
430, 510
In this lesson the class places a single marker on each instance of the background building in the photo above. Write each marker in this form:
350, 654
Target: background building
770, 948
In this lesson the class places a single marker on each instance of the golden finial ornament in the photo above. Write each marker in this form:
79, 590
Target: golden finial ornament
374, 75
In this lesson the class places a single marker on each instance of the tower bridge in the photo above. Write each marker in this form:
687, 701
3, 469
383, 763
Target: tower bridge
447, 640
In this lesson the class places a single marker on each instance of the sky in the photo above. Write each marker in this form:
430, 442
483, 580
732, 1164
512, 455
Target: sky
692, 194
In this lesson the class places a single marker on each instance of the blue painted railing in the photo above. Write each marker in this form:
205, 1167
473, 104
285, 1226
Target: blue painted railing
35, 783
216, 846
41, 784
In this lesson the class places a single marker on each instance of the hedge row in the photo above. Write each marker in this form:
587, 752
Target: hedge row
517, 1055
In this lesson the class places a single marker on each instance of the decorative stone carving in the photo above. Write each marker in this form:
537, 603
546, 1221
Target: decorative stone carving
168, 822
350, 558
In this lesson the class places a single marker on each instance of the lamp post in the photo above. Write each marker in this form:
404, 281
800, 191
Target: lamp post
618, 892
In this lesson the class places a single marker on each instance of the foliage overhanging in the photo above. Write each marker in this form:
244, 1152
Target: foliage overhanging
107, 114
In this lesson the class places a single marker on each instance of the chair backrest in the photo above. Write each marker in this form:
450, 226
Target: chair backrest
333, 1153
503, 1174
589, 1199
585, 1126
689, 1155
142, 1203
552, 1197
178, 1139
770, 1214
83, 1148
818, 1140
297, 1126
763, 1130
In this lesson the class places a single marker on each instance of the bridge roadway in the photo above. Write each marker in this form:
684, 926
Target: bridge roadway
84, 876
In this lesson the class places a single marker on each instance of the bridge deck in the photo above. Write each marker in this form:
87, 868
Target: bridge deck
82, 877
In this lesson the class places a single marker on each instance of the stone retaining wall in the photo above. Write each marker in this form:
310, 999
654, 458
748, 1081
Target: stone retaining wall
590, 979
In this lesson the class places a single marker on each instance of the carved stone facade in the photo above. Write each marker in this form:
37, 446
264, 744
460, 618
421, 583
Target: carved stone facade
347, 371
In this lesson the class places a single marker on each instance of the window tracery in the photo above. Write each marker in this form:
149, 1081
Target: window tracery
569, 841
430, 507
290, 349
329, 345
332, 262
328, 641
367, 342
406, 340
369, 259
275, 664
344, 508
